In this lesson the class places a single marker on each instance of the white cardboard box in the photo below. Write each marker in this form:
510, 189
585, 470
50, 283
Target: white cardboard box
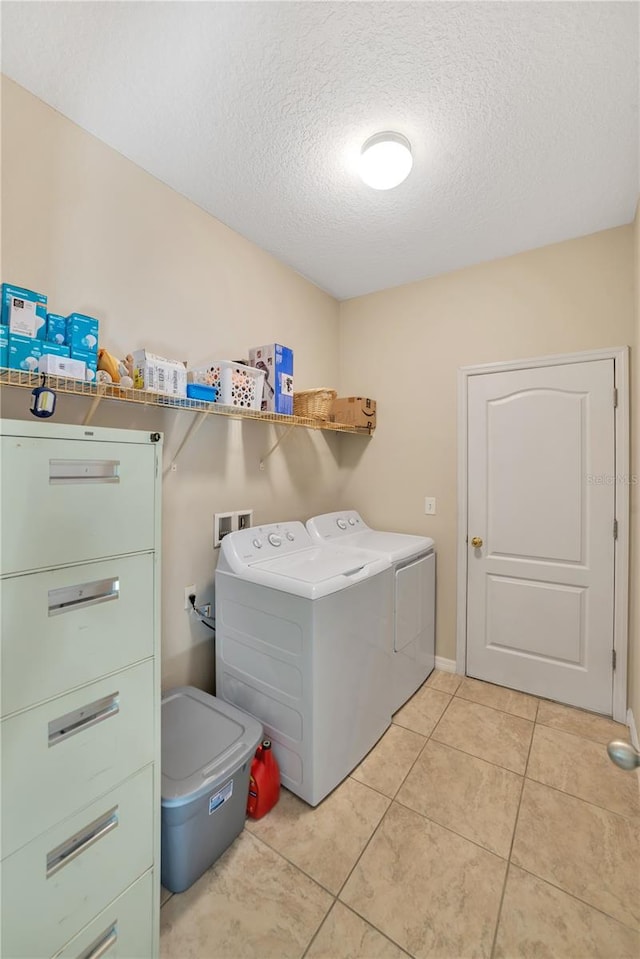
159, 375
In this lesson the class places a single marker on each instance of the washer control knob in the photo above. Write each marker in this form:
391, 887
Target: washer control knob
275, 540
257, 543
352, 522
341, 523
290, 537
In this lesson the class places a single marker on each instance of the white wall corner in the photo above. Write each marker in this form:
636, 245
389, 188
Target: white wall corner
445, 665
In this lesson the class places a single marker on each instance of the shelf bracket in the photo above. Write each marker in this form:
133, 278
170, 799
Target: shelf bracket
91, 412
275, 446
191, 432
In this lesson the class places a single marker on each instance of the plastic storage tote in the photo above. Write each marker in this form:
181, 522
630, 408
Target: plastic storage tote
237, 385
207, 748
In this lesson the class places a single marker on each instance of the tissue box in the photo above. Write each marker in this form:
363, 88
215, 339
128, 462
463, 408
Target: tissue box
24, 353
4, 346
56, 329
82, 333
354, 411
62, 366
277, 363
159, 375
24, 312
89, 359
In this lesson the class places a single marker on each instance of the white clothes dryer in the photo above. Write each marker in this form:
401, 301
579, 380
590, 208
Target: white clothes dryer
413, 560
302, 645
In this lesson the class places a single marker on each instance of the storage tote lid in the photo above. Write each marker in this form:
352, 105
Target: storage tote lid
203, 740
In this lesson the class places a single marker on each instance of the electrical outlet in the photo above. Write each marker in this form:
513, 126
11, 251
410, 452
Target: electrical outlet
243, 519
188, 591
222, 524
430, 505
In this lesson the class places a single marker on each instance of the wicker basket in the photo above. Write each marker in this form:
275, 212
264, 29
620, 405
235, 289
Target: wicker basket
315, 404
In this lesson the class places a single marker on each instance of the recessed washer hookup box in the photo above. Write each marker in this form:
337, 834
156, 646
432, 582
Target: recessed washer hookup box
207, 748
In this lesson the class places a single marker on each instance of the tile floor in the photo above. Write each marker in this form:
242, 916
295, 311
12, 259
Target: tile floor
485, 823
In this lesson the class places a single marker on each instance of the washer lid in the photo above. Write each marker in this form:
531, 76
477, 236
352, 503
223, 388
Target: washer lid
317, 564
347, 528
203, 741
283, 556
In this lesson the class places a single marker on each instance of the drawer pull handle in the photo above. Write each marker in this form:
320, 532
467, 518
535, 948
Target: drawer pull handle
83, 718
71, 848
67, 598
100, 946
84, 471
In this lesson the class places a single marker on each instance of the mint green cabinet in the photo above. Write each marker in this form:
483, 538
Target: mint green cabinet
79, 691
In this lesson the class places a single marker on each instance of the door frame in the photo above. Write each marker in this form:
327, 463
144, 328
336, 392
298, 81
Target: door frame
620, 357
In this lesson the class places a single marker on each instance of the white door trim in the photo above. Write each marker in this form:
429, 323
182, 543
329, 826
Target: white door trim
620, 356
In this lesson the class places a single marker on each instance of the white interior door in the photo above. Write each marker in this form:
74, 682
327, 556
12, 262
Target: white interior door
541, 499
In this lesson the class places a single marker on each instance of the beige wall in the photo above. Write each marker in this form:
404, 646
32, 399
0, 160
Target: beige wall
404, 346
99, 235
634, 619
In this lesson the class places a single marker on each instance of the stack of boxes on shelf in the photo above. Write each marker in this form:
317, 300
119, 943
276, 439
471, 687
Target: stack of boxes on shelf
33, 340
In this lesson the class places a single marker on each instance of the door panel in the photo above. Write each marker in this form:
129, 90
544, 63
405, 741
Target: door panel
541, 496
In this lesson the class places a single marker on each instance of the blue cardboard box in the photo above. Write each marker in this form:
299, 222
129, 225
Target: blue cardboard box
82, 333
55, 349
24, 353
91, 359
277, 363
56, 329
4, 346
24, 311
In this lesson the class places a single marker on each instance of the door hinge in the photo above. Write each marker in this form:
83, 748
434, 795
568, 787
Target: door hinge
615, 529
615, 396
613, 658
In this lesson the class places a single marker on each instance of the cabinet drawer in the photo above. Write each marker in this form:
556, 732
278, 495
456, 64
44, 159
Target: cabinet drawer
60, 881
122, 931
60, 756
64, 627
66, 501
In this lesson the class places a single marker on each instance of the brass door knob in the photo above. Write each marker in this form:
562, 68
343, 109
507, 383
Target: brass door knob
476, 542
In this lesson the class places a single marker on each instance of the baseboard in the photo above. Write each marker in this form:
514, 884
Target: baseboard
633, 729
445, 665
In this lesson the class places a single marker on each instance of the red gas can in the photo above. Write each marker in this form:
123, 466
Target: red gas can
264, 781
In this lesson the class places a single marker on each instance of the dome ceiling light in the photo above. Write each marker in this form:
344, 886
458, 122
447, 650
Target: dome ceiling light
385, 160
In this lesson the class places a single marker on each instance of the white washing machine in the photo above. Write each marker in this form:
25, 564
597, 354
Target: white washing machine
302, 645
413, 559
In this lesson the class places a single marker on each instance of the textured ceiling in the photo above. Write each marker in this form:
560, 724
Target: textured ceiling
523, 119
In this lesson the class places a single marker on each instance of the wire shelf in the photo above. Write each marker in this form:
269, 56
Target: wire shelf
101, 391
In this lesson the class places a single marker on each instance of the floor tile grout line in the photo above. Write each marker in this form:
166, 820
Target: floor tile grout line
513, 839
573, 896
634, 820
465, 752
481, 759
496, 709
405, 952
570, 732
450, 829
322, 922
364, 849
294, 864
368, 922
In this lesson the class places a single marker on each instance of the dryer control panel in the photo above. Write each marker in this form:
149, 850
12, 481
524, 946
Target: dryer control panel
333, 525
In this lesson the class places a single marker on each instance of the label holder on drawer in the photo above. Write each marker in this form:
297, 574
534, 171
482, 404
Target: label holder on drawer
83, 718
100, 946
67, 598
73, 847
84, 471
